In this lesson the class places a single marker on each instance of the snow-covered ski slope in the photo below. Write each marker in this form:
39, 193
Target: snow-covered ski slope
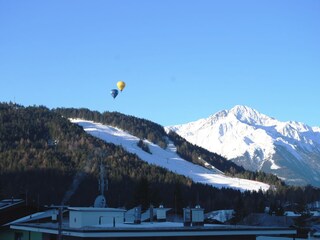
167, 158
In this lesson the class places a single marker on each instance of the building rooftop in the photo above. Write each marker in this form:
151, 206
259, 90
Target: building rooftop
6, 203
155, 229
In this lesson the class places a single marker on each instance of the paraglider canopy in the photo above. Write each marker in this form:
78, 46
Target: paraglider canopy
114, 93
121, 85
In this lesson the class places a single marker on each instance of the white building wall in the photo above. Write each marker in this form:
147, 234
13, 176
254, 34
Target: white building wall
75, 219
89, 217
197, 215
117, 217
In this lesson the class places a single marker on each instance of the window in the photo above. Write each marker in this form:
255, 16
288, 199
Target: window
18, 236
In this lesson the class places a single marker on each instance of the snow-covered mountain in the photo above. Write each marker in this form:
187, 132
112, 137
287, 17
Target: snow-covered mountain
291, 150
167, 158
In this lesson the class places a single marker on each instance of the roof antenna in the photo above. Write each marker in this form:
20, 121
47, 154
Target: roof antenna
100, 201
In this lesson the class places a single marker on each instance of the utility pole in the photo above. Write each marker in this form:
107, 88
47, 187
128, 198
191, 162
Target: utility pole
60, 222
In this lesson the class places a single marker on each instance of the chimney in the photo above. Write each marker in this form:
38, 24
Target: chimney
161, 214
197, 216
137, 215
187, 217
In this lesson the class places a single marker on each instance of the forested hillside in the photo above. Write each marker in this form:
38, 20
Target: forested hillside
41, 153
138, 127
155, 133
46, 159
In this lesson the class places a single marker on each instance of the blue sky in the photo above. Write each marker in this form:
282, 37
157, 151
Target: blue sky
182, 60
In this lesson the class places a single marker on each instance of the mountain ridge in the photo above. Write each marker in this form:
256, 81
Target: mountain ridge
259, 142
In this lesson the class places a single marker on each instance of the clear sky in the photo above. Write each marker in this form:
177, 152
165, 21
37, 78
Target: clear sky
182, 60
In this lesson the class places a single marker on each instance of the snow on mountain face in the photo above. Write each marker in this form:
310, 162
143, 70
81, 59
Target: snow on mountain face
168, 158
291, 150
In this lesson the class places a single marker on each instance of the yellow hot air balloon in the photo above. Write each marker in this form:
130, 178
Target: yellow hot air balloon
121, 85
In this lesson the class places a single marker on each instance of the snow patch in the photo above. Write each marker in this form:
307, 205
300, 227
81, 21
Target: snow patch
168, 158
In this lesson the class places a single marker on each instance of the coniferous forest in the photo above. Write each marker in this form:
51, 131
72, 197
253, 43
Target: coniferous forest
46, 159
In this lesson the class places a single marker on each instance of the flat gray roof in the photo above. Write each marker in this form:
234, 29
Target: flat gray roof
154, 229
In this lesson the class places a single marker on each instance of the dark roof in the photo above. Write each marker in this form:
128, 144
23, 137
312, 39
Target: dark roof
12, 209
264, 219
7, 203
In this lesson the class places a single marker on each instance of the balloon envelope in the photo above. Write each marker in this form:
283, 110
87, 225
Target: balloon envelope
121, 85
114, 93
